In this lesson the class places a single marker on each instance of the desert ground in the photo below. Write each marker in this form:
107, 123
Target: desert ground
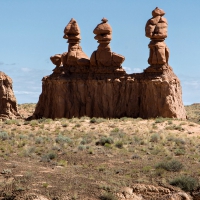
94, 158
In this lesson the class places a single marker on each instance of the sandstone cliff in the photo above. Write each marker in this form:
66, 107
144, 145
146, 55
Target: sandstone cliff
8, 104
111, 95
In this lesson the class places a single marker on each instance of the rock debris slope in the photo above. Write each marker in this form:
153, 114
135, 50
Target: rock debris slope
100, 87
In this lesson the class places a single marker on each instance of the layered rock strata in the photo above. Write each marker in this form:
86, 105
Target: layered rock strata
8, 103
103, 88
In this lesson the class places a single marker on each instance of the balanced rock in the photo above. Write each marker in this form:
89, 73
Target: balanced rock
100, 87
8, 103
156, 30
103, 57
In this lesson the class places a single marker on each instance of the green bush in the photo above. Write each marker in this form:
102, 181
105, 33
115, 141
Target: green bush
172, 165
186, 183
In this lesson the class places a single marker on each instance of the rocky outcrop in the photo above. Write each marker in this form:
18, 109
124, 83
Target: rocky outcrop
103, 88
148, 192
8, 103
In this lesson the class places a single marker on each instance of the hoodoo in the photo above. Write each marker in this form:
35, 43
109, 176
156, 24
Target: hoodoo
100, 87
8, 103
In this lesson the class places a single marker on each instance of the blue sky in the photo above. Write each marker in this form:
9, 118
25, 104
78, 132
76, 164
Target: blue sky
32, 31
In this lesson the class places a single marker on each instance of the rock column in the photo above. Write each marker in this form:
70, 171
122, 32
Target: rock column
156, 30
104, 57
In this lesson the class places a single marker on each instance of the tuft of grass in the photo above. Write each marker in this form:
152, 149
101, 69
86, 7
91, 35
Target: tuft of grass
186, 183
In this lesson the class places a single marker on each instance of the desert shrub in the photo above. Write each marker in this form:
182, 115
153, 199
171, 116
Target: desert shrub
155, 137
97, 120
115, 130
169, 122
39, 140
160, 120
93, 120
119, 144
179, 141
26, 122
86, 140
64, 124
11, 121
137, 139
174, 127
105, 140
22, 136
81, 147
42, 120
172, 165
135, 156
179, 152
77, 125
47, 157
4, 135
61, 139
186, 183
33, 122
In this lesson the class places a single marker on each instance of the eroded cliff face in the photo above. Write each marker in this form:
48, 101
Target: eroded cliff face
111, 95
8, 103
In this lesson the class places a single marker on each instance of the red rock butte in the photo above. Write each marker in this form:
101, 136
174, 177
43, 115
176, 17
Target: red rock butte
99, 87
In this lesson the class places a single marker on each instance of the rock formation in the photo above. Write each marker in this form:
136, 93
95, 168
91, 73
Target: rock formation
75, 56
156, 30
8, 104
103, 56
100, 87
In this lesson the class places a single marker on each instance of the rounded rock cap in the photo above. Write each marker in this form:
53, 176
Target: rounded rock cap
72, 28
103, 28
158, 12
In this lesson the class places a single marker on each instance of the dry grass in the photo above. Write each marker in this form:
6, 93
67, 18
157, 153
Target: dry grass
88, 158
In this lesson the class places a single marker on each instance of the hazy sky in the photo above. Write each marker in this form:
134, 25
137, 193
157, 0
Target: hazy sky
32, 31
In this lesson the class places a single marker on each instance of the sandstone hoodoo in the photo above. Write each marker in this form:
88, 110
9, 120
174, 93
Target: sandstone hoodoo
100, 87
103, 56
8, 103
